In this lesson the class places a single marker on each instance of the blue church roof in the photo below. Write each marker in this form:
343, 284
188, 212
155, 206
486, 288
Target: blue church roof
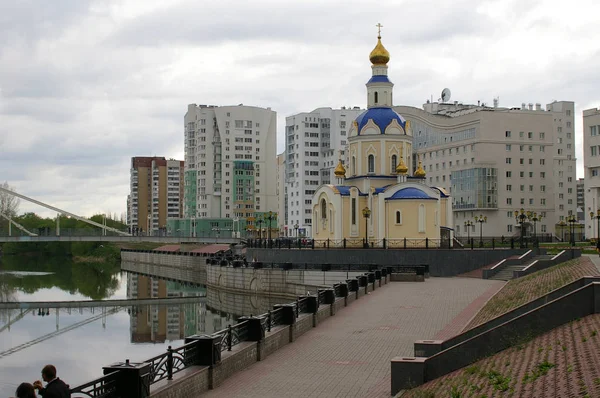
382, 117
379, 79
344, 190
410, 193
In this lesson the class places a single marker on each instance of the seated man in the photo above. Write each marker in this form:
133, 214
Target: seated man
55, 387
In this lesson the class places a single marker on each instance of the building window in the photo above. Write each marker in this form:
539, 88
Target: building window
353, 211
398, 217
394, 163
422, 218
507, 134
376, 97
323, 209
371, 164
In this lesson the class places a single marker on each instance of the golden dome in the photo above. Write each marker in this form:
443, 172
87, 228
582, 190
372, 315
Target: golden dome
340, 171
420, 173
401, 168
379, 55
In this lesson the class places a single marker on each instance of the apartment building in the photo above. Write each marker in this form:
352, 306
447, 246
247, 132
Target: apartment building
581, 200
496, 160
281, 195
314, 141
156, 193
230, 153
591, 165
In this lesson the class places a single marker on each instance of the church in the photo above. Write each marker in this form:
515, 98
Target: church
378, 196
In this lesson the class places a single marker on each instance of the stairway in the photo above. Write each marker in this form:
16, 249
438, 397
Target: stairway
506, 273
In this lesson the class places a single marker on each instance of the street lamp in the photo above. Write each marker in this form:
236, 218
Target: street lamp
481, 219
366, 214
296, 229
597, 217
521, 218
572, 219
259, 221
535, 218
468, 225
562, 224
270, 216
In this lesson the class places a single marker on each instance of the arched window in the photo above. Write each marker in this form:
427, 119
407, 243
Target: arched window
353, 165
376, 97
371, 164
323, 209
394, 163
398, 217
421, 218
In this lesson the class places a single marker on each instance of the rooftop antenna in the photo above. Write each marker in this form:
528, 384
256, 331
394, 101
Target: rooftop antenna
446, 95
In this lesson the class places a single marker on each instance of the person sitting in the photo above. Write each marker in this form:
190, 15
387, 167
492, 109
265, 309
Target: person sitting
55, 387
25, 390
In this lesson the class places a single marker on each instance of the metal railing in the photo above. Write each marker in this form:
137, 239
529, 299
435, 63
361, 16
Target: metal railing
174, 360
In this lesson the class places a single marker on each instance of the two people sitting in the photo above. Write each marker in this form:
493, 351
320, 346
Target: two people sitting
55, 387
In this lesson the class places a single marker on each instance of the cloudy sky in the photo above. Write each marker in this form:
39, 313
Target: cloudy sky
85, 85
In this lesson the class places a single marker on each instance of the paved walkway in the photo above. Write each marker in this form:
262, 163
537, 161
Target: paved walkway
348, 355
595, 259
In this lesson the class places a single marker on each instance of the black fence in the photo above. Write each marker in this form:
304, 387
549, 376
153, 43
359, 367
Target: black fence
405, 243
133, 380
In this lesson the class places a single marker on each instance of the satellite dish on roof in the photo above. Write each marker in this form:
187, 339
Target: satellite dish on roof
446, 95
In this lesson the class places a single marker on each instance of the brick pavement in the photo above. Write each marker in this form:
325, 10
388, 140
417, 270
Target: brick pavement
595, 259
348, 355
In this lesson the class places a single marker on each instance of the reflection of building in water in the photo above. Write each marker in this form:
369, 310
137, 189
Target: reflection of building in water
158, 323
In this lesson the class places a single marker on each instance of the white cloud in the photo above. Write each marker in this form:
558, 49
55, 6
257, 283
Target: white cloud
86, 85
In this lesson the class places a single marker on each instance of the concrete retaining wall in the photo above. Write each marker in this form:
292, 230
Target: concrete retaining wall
244, 355
193, 383
412, 372
442, 262
169, 266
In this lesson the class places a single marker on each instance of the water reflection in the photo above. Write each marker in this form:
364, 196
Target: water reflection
80, 341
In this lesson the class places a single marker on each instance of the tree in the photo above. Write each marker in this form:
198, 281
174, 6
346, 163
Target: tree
9, 205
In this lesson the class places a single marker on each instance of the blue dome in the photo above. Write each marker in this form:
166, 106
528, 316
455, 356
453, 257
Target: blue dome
379, 79
382, 117
410, 193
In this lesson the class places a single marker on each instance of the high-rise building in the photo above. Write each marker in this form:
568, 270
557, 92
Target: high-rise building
230, 154
591, 165
156, 192
496, 160
581, 199
313, 141
281, 195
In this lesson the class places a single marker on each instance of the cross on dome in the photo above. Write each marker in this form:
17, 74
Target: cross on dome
379, 26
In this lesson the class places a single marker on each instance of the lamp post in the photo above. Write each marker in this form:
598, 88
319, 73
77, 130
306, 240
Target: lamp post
366, 214
520, 218
296, 229
259, 221
481, 219
270, 216
468, 225
562, 224
572, 219
597, 217
535, 218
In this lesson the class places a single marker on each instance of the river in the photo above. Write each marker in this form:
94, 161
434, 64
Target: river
79, 342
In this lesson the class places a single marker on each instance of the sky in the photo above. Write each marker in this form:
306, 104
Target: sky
85, 84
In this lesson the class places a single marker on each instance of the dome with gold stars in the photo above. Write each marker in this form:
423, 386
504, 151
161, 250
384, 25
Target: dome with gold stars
379, 55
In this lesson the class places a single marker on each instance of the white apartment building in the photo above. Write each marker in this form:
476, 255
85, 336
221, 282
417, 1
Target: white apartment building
314, 141
494, 161
591, 165
281, 196
230, 153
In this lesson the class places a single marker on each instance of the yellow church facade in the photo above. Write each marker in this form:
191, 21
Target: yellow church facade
377, 198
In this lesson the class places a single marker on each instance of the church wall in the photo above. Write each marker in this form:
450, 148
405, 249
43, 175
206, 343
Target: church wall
409, 228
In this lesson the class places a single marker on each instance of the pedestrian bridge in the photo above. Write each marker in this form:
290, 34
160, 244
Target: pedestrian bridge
124, 239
